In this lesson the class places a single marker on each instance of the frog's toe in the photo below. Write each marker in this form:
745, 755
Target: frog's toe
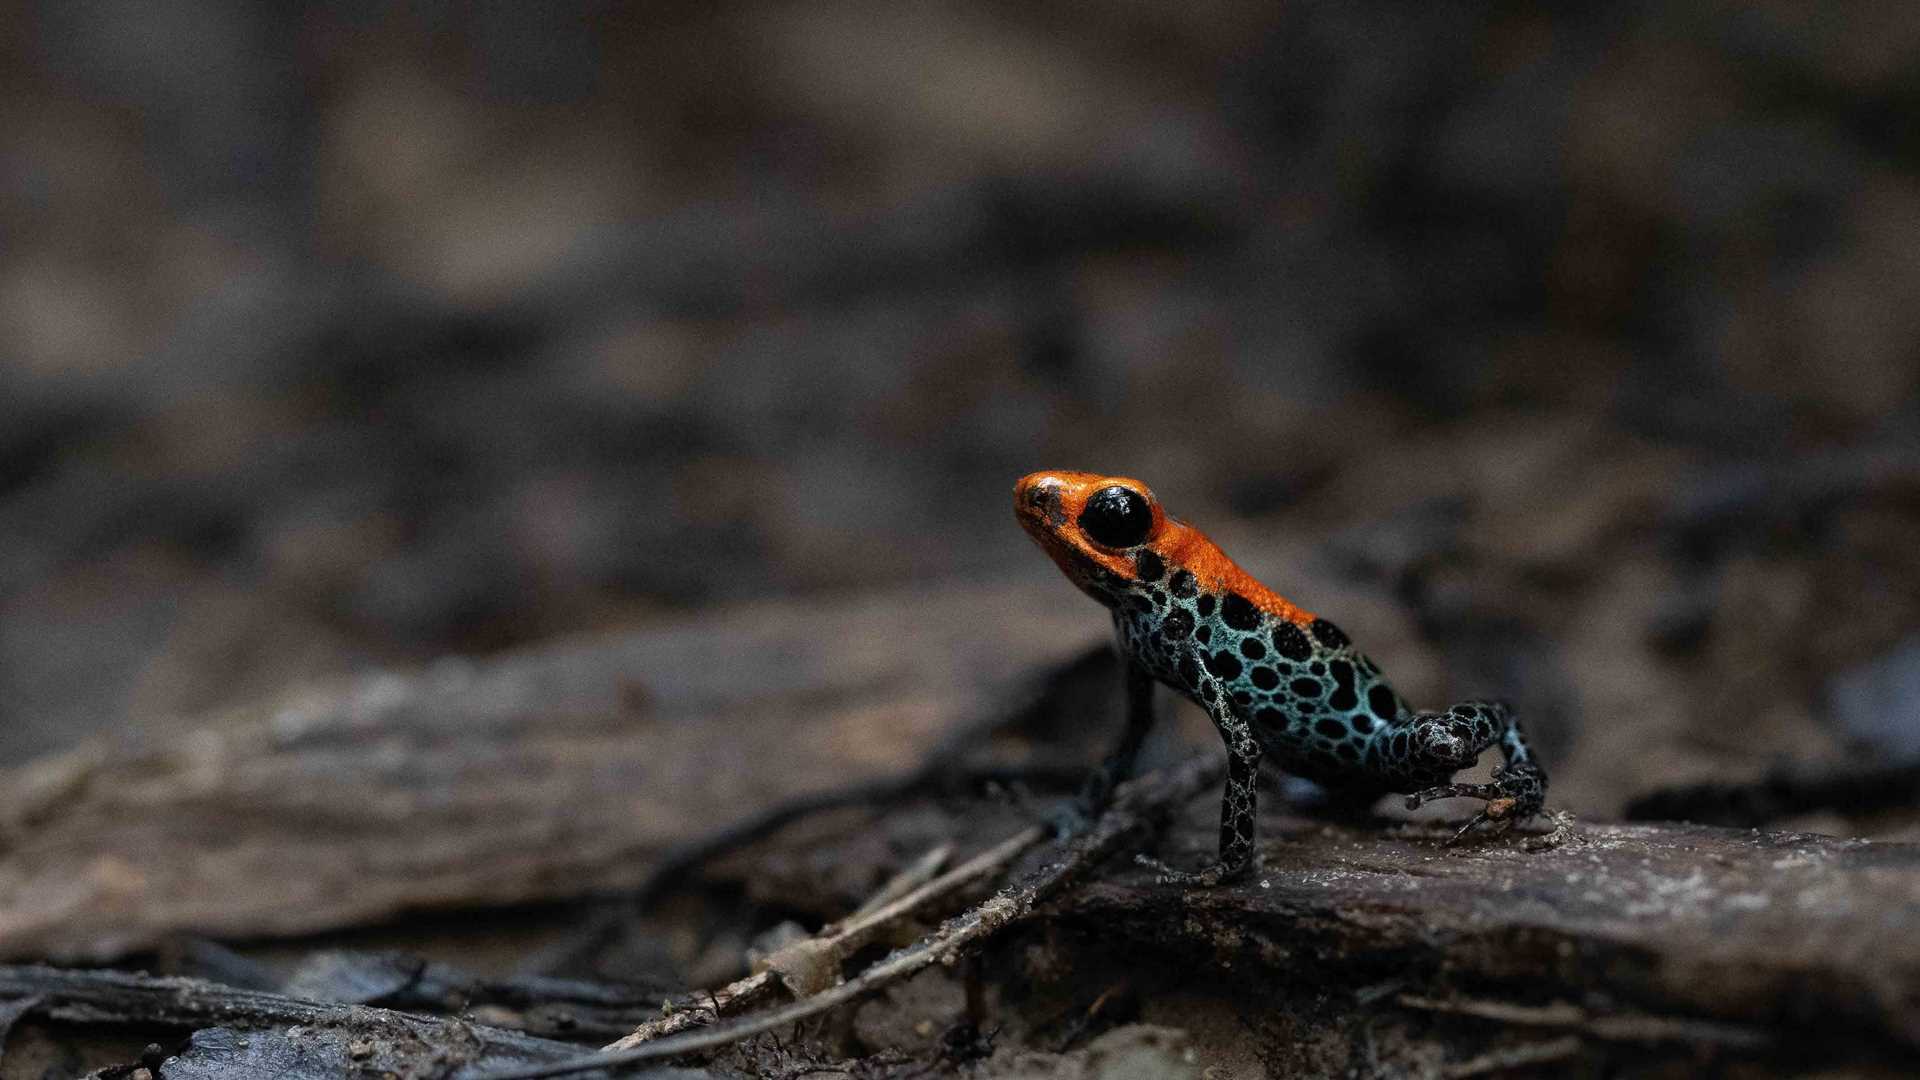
1522, 792
1494, 815
1451, 791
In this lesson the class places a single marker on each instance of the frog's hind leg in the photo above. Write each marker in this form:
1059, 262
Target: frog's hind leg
1425, 750
1238, 818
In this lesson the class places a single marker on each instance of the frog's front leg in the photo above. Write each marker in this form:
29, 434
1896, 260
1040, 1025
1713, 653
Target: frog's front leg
1436, 745
1237, 803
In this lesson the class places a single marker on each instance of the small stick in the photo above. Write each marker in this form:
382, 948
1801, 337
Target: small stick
918, 873
1619, 1027
1139, 801
809, 967
982, 920
678, 862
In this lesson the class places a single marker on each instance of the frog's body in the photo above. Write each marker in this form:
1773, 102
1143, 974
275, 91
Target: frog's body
1277, 681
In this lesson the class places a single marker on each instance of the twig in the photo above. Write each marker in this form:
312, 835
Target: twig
1616, 1027
641, 1047
935, 774
677, 863
810, 966
916, 874
1140, 801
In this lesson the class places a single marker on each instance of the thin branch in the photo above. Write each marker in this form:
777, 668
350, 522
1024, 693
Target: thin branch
916, 874
1611, 1027
935, 777
810, 966
1140, 802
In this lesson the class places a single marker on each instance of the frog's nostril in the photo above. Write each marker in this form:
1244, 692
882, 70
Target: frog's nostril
1039, 494
1034, 487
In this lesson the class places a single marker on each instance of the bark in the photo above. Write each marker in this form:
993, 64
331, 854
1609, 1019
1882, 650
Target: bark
237, 1034
607, 767
1740, 938
556, 773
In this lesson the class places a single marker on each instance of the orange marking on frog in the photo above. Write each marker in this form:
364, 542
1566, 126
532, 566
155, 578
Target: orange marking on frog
1048, 505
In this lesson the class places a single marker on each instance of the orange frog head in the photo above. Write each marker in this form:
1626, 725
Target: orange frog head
1111, 538
1096, 528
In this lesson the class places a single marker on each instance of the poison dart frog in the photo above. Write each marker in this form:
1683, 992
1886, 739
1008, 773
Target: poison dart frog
1278, 681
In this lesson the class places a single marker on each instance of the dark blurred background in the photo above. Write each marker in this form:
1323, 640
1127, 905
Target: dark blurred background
1565, 352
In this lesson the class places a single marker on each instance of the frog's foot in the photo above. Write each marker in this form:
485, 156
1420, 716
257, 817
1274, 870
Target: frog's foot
1514, 795
1205, 878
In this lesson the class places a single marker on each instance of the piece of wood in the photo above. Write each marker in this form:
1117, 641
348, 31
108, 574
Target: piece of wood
1717, 937
1683, 939
248, 1033
549, 774
555, 1008
1707, 940
553, 773
1136, 806
1688, 940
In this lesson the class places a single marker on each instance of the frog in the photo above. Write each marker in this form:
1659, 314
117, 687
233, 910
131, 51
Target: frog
1280, 683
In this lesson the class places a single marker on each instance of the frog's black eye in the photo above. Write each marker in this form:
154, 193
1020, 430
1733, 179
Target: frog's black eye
1117, 517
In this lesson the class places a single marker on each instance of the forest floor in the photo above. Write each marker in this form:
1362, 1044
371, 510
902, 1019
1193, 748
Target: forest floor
488, 867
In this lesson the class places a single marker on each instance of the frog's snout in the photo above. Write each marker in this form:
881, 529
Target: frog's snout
1036, 498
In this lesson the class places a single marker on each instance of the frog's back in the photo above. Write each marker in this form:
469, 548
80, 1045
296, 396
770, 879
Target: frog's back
1313, 701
